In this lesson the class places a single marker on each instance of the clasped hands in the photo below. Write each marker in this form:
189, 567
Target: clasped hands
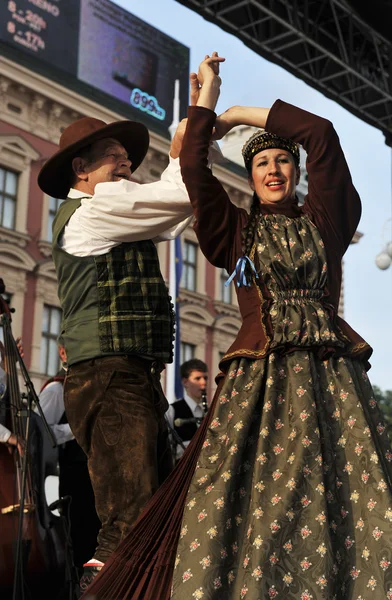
205, 90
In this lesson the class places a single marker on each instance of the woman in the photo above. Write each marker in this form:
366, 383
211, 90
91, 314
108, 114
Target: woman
291, 494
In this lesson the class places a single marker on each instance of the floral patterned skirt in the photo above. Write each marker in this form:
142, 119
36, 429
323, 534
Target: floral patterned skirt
291, 497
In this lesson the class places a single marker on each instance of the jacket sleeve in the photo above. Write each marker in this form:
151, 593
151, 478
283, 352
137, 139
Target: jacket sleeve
332, 201
216, 218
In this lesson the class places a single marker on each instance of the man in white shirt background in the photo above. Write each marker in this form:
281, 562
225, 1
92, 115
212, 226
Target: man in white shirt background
118, 322
186, 414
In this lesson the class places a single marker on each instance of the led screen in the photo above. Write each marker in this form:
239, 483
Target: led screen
131, 60
47, 30
104, 46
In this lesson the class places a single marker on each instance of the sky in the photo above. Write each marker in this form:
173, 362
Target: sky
250, 80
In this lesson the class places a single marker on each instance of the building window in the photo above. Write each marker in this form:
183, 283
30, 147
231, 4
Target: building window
8, 193
225, 292
189, 265
187, 352
54, 204
51, 322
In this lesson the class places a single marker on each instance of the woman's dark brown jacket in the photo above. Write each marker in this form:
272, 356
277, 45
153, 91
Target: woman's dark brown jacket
332, 204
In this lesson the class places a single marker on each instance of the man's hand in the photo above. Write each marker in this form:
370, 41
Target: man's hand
195, 88
15, 441
19, 345
176, 144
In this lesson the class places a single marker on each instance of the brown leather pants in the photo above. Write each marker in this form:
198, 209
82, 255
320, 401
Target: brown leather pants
115, 407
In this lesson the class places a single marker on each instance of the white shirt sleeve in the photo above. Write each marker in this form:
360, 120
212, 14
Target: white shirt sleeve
52, 403
4, 434
126, 211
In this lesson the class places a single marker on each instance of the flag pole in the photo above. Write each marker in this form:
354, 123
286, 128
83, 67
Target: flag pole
171, 368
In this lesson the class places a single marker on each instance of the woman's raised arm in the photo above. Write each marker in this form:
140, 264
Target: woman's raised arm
332, 201
216, 218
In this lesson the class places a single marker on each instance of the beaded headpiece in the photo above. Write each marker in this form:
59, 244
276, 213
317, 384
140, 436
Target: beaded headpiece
262, 140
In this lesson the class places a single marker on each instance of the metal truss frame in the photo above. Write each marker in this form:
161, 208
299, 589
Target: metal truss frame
323, 42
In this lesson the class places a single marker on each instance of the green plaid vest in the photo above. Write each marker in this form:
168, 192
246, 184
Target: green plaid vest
116, 303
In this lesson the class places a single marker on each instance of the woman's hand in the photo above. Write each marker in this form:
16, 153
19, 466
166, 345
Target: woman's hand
239, 115
209, 69
205, 85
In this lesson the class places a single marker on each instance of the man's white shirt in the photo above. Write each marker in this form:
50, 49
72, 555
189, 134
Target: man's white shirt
52, 404
51, 400
127, 211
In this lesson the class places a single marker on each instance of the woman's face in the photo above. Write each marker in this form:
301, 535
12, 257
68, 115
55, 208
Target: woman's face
274, 175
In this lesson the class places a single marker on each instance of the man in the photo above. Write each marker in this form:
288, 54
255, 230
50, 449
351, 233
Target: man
185, 415
117, 316
74, 478
6, 436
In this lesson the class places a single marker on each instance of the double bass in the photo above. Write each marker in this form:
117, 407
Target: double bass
32, 551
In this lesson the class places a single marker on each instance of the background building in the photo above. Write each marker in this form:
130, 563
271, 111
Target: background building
33, 112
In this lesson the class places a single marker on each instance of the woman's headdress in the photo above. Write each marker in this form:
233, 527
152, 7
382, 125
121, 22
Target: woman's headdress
263, 140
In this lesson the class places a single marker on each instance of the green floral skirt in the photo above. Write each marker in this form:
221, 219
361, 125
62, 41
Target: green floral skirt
291, 497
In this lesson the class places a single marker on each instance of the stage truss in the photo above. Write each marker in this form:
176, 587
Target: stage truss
323, 42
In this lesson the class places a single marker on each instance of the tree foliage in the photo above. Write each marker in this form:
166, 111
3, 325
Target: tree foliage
384, 399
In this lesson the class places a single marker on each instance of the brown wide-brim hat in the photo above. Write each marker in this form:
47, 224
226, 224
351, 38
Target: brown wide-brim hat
55, 176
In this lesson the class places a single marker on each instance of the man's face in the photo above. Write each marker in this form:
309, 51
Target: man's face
106, 161
195, 384
274, 175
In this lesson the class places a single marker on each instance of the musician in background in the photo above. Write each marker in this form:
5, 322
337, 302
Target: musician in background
186, 414
6, 436
10, 439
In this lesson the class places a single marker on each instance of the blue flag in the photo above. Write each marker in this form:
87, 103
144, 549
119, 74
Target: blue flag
178, 389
